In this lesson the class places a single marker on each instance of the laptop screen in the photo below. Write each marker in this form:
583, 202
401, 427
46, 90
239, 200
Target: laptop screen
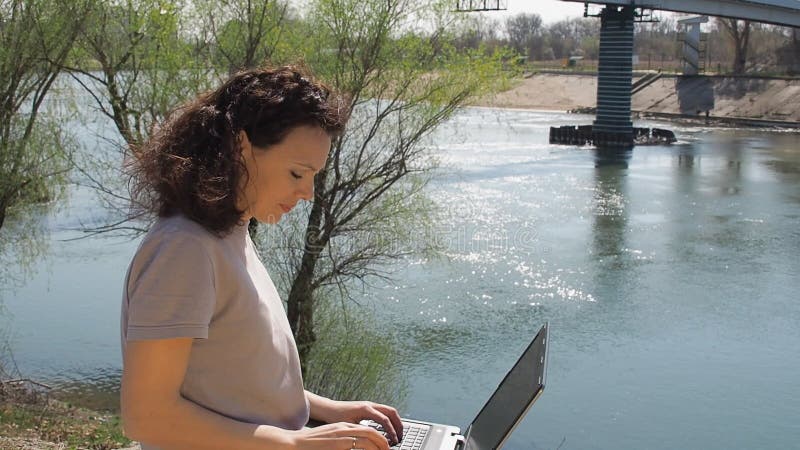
512, 399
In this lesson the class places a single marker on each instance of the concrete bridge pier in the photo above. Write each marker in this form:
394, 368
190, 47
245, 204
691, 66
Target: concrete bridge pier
612, 125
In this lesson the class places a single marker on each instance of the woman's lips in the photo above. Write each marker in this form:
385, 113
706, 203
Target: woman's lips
285, 208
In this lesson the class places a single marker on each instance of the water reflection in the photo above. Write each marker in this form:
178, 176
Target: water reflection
685, 161
613, 157
612, 260
22, 243
783, 159
610, 212
729, 174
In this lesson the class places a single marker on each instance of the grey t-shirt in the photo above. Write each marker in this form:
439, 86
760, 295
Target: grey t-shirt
186, 282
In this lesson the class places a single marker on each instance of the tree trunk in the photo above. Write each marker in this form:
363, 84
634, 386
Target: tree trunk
300, 304
741, 49
119, 107
301, 309
741, 42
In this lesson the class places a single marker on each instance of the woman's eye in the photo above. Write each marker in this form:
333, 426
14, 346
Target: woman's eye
295, 175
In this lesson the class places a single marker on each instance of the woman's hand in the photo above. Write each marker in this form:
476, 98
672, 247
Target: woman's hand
338, 436
354, 412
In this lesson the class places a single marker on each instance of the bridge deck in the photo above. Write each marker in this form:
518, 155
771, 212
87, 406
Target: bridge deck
777, 12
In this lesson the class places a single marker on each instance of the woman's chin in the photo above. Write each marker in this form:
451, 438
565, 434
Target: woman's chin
271, 218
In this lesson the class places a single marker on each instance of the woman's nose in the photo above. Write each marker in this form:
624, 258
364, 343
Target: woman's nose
306, 191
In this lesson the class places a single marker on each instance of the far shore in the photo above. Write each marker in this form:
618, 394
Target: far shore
758, 101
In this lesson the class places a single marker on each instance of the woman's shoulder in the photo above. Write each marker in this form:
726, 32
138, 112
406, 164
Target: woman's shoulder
182, 239
182, 228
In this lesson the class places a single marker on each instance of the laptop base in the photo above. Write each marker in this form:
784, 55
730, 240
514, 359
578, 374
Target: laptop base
437, 436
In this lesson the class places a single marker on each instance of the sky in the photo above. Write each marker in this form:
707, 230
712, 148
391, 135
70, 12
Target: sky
550, 10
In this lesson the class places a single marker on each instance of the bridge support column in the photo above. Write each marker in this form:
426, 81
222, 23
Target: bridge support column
694, 45
612, 125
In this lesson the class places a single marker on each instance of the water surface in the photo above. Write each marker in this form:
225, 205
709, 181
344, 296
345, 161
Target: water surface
669, 277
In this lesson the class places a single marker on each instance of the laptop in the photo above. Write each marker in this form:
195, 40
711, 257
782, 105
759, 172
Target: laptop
504, 410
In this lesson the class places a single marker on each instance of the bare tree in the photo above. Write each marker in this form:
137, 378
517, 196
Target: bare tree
794, 65
152, 56
524, 33
478, 31
739, 32
35, 36
657, 40
796, 40
145, 70
369, 207
245, 33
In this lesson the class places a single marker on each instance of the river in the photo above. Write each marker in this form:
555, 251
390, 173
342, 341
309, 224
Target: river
669, 277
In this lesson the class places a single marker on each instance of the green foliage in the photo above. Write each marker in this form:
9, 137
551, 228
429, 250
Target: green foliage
351, 361
244, 33
402, 71
400, 83
35, 37
146, 67
33, 168
401, 87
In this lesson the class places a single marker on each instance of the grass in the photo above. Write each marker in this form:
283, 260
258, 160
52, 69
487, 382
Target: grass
27, 413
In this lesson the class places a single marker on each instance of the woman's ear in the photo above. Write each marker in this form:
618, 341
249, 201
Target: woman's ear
246, 146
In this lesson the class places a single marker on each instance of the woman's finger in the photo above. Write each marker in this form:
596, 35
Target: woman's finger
365, 436
394, 417
339, 436
355, 442
372, 440
350, 442
387, 424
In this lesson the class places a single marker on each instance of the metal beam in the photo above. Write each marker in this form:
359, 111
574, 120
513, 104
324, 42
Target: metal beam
776, 12
480, 5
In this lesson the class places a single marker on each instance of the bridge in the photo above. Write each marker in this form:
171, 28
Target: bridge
613, 126
776, 12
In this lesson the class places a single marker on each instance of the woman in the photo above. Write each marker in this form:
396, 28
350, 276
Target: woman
209, 360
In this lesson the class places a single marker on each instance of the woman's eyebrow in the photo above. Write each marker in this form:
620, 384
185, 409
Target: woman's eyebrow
306, 165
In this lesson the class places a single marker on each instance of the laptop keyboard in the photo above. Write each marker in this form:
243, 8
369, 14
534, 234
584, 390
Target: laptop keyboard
413, 435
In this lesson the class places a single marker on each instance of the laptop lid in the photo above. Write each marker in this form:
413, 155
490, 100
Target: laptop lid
512, 399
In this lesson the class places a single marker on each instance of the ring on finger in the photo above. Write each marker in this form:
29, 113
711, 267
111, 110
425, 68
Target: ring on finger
355, 442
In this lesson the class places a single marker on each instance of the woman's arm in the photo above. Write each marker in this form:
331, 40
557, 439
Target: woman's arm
321, 408
329, 411
153, 411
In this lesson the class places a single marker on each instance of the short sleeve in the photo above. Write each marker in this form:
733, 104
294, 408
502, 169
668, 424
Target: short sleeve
171, 290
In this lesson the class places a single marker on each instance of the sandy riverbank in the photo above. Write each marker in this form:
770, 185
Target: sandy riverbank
732, 97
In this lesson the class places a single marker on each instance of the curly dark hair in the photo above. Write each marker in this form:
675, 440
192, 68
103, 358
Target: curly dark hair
191, 164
